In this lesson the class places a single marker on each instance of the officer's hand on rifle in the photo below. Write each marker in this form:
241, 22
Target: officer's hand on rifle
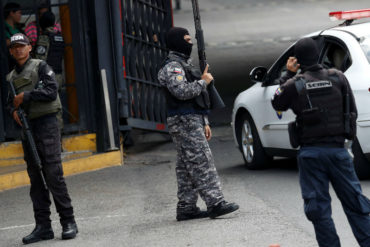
292, 64
16, 118
208, 132
207, 76
18, 100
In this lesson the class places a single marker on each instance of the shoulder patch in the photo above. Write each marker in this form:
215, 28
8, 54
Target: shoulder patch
176, 70
279, 91
40, 50
179, 78
50, 73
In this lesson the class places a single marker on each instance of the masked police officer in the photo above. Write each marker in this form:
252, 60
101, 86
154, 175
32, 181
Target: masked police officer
189, 128
326, 115
50, 48
37, 93
50, 45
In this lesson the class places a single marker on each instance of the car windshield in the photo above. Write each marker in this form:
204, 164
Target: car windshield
365, 45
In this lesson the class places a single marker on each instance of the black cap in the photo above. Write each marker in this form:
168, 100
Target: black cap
19, 38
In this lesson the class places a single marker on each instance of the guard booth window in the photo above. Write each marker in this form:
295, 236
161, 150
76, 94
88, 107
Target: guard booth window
68, 92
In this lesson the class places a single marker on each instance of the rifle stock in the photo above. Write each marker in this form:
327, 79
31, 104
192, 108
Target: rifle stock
29, 138
214, 96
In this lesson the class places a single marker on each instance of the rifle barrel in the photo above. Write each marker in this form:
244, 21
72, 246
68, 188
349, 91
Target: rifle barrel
29, 138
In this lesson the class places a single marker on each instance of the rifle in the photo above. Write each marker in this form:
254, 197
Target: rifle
29, 138
215, 99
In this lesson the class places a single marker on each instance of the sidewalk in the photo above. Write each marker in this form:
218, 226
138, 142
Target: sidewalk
79, 156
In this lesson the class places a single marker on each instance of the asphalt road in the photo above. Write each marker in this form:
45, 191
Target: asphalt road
134, 205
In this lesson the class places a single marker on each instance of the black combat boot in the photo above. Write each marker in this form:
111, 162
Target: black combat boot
41, 232
196, 213
69, 230
222, 208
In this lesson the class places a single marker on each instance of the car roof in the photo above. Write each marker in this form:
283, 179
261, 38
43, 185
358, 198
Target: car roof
359, 30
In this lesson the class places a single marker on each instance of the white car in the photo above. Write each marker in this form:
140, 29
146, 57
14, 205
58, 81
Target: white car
262, 133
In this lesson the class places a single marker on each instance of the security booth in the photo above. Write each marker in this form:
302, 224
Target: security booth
113, 50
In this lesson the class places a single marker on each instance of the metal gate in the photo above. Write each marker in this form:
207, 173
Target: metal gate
144, 25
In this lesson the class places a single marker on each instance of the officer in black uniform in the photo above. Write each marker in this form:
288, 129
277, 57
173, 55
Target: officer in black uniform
50, 48
50, 44
326, 115
37, 94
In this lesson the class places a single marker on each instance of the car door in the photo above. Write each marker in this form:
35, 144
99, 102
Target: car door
274, 125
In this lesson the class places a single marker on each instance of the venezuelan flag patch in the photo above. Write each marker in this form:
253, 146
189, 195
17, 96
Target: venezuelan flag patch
278, 91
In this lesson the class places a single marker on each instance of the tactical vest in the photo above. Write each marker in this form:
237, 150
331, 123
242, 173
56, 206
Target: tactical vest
199, 104
50, 47
28, 80
321, 109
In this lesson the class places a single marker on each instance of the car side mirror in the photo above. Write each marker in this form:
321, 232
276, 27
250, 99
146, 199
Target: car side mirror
258, 74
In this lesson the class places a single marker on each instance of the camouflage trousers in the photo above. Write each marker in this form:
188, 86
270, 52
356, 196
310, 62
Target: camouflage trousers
195, 169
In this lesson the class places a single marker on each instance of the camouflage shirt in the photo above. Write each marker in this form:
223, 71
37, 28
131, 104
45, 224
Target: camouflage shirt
172, 76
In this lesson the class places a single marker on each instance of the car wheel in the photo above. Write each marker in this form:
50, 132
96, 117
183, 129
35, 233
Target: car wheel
362, 165
250, 144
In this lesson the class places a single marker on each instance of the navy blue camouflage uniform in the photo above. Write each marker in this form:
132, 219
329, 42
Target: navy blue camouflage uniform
195, 169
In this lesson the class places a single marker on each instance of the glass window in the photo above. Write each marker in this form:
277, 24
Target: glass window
365, 46
336, 57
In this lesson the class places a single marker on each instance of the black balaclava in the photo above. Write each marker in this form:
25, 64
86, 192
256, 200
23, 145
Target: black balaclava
176, 42
306, 52
47, 20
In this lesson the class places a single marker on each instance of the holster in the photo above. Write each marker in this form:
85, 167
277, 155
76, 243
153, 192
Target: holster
350, 129
293, 134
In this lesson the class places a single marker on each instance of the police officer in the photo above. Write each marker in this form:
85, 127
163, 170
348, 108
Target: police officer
189, 128
36, 89
50, 45
318, 97
50, 48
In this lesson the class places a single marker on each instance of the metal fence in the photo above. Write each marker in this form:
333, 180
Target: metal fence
144, 25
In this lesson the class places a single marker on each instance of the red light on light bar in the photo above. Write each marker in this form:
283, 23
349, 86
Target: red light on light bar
350, 15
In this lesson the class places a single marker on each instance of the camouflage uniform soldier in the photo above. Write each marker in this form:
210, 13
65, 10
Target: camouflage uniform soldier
189, 128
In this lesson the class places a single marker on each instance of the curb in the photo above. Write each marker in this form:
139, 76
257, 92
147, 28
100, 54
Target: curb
72, 167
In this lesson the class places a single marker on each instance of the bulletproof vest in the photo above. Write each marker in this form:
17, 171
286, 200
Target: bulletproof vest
28, 80
321, 108
50, 47
201, 102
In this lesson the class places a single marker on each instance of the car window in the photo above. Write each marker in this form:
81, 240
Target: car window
365, 46
336, 56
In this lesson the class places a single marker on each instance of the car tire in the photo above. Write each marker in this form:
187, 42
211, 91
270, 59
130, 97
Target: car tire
250, 144
362, 165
